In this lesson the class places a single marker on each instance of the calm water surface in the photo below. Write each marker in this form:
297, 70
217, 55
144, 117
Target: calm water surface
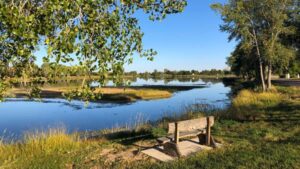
19, 115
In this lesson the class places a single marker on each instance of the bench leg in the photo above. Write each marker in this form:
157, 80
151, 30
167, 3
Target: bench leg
213, 142
203, 138
207, 131
172, 149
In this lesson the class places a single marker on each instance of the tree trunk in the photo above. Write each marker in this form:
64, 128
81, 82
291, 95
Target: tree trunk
262, 78
269, 77
83, 81
261, 69
265, 69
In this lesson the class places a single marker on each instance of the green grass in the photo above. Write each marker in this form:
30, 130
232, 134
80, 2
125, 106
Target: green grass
249, 105
247, 156
247, 145
53, 149
270, 140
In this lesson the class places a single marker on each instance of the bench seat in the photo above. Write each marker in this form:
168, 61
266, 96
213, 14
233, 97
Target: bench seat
182, 134
185, 134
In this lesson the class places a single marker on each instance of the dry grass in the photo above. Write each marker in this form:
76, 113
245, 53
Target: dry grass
251, 98
57, 149
251, 105
40, 150
150, 94
109, 93
54, 149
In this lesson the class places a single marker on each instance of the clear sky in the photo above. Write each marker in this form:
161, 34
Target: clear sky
185, 41
189, 40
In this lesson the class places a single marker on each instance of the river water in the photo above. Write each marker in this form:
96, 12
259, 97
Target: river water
19, 115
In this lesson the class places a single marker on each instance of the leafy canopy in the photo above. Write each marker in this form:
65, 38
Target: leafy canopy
258, 25
102, 34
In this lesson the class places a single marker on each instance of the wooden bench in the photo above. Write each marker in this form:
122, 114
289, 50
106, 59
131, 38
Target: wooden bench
185, 129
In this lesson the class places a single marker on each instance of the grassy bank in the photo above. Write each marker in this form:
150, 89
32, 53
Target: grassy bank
119, 94
54, 149
259, 130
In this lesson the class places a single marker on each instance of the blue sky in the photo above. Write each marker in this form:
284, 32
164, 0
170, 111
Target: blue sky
189, 40
185, 41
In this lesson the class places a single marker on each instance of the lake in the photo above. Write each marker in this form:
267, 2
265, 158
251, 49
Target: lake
19, 115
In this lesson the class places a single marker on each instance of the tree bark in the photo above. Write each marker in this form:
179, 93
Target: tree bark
262, 78
261, 69
83, 81
269, 76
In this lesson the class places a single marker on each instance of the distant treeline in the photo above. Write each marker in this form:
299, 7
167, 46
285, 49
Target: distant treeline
62, 71
58, 74
170, 73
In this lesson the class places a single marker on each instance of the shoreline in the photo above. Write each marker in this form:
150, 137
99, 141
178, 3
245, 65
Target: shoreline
108, 94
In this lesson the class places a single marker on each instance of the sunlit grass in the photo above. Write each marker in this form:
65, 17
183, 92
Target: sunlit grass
51, 149
150, 93
250, 105
108, 93
271, 140
55, 140
251, 98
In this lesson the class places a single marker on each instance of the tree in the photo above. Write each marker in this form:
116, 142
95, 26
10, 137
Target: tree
243, 64
104, 34
258, 24
293, 40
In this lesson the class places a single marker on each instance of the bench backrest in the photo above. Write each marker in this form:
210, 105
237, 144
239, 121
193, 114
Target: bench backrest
191, 125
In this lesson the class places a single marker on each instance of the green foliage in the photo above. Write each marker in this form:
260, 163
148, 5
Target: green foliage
103, 34
258, 25
293, 39
85, 94
173, 74
35, 92
242, 62
3, 88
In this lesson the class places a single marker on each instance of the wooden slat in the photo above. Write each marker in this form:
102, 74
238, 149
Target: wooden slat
191, 125
158, 154
176, 134
187, 134
208, 132
163, 140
